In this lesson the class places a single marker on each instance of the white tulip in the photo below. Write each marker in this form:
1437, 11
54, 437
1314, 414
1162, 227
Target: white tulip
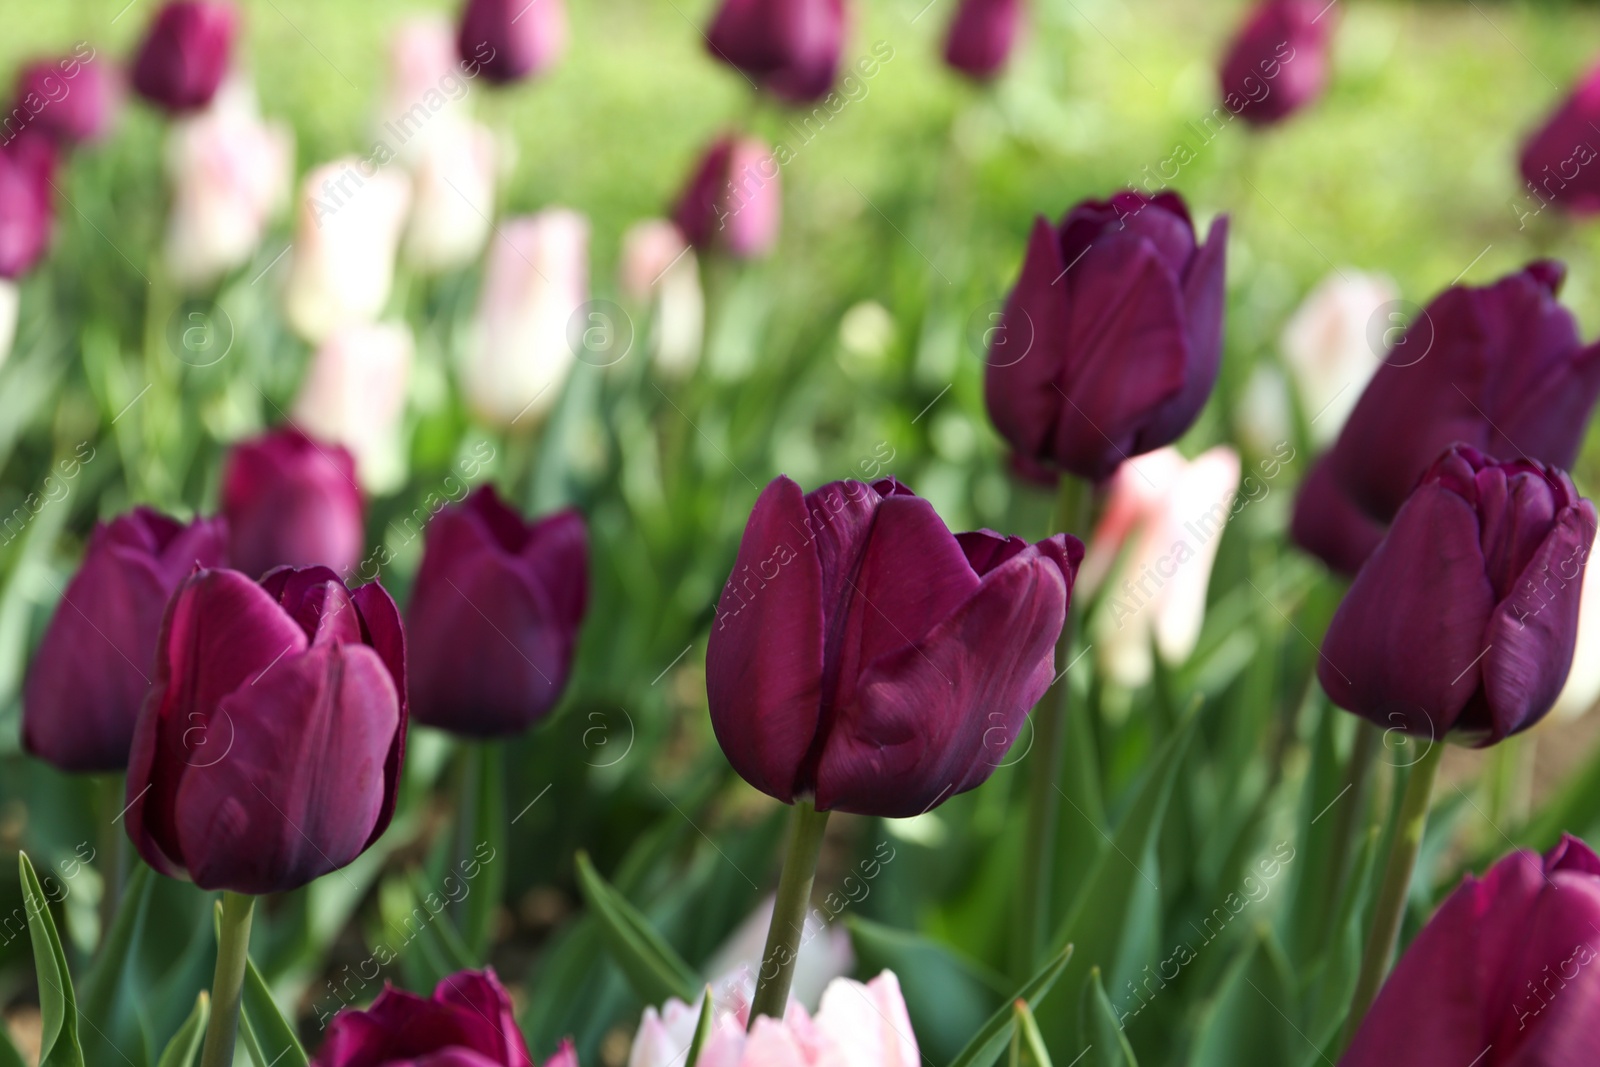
354, 394
1328, 348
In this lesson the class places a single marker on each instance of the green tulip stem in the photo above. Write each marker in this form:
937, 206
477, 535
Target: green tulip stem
1391, 902
1346, 818
113, 846
789, 912
227, 984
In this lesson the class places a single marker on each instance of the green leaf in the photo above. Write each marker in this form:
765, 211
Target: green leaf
111, 995
485, 826
653, 968
185, 1043
1251, 1018
273, 1034
991, 1039
702, 1029
58, 1006
1099, 1021
1027, 1046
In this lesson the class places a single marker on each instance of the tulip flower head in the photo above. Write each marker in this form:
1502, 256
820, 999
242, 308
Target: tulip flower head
867, 657
512, 39
72, 100
94, 665
292, 501
981, 36
1329, 525
186, 53
733, 200
1559, 162
658, 268
354, 394
468, 1022
1464, 618
790, 48
1279, 62
27, 203
1505, 974
268, 752
1111, 341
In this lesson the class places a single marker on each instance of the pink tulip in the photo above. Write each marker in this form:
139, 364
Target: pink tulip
453, 186
658, 268
351, 215
733, 199
355, 394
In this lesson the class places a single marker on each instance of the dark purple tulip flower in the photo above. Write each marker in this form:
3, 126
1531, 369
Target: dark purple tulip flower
1111, 341
1329, 525
468, 1022
509, 40
1505, 974
1279, 61
1498, 367
1464, 618
733, 200
292, 501
788, 47
71, 100
1559, 162
494, 616
96, 662
186, 54
268, 752
865, 656
27, 203
981, 35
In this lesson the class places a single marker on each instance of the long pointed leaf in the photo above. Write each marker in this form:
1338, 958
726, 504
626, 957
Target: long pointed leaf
702, 1029
1109, 1041
58, 1005
185, 1043
991, 1039
654, 969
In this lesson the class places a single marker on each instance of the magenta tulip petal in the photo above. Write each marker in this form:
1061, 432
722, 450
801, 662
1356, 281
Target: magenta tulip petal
1330, 526
1026, 353
468, 1022
186, 53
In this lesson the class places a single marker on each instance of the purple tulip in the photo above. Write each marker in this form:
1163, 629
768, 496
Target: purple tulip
866, 656
186, 54
733, 200
1559, 160
509, 40
1505, 974
1498, 367
27, 203
1329, 525
468, 1022
268, 752
981, 35
71, 100
1111, 341
1279, 61
292, 501
95, 663
494, 616
788, 47
1464, 618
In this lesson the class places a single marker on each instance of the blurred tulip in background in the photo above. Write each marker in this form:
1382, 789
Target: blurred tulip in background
186, 53
354, 394
291, 501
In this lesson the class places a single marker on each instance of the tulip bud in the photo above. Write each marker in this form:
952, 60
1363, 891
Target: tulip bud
268, 752
1279, 61
494, 616
512, 39
951, 640
426, 87
291, 501
1329, 525
790, 48
453, 183
71, 100
186, 52
1495, 550
230, 173
1558, 162
352, 213
1498, 367
659, 268
1111, 341
733, 200
536, 279
355, 394
1506, 963
1328, 348
27, 211
468, 1022
95, 663
981, 35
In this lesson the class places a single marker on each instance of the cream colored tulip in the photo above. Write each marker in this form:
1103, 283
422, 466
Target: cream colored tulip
1329, 349
354, 394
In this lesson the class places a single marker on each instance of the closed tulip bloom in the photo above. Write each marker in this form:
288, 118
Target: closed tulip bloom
512, 39
1498, 367
72, 100
452, 203
291, 501
27, 203
733, 200
268, 752
1558, 161
1329, 525
354, 394
659, 269
520, 350
1464, 618
790, 48
186, 53
427, 86
96, 661
468, 1022
1328, 348
494, 616
1503, 975
351, 216
1111, 341
981, 35
866, 657
1279, 61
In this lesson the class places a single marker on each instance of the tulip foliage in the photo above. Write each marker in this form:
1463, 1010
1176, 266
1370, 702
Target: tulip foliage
799, 532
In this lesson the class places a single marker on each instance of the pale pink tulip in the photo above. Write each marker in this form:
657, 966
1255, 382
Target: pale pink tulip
230, 173
354, 394
1163, 520
520, 353
425, 89
453, 183
825, 954
1328, 346
660, 269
